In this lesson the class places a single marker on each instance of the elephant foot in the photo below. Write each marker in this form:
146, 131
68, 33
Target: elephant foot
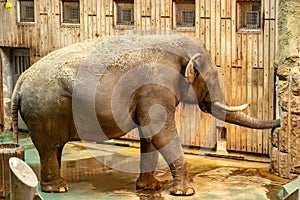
147, 181
181, 188
55, 186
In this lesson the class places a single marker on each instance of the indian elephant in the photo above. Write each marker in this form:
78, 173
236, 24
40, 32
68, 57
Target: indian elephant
103, 88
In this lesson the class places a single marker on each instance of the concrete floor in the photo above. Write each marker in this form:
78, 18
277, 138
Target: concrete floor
212, 178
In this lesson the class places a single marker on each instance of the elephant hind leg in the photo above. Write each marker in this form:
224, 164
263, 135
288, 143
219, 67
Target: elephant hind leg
49, 140
51, 180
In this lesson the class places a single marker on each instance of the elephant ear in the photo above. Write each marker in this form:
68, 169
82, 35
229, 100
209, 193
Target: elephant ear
190, 73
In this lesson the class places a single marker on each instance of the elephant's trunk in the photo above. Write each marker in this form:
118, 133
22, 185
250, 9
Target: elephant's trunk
242, 119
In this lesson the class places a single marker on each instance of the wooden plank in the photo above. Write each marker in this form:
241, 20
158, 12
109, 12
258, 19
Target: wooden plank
14, 28
84, 23
206, 131
266, 65
233, 101
137, 11
98, 18
229, 8
207, 26
148, 8
254, 106
233, 34
207, 35
153, 11
218, 35
266, 9
223, 9
158, 14
163, 14
94, 19
197, 18
242, 61
273, 6
90, 24
227, 48
255, 88
242, 96
50, 32
202, 22
260, 136
103, 18
168, 14
107, 17
213, 30
2, 30
195, 139
111, 17
56, 17
260, 89
271, 87
143, 14
207, 9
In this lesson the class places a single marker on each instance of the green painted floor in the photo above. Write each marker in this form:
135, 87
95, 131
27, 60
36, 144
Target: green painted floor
90, 172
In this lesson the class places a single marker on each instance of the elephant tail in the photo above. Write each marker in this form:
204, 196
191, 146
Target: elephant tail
15, 103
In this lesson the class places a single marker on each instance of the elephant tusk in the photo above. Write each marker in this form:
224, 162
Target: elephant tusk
231, 108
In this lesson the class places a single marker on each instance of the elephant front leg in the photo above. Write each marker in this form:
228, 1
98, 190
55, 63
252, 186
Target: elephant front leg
173, 154
181, 186
148, 162
164, 137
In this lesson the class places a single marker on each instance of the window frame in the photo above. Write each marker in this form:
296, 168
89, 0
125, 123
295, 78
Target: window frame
239, 18
62, 19
120, 24
183, 27
19, 18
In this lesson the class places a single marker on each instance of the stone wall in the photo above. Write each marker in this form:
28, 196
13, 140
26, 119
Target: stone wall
285, 141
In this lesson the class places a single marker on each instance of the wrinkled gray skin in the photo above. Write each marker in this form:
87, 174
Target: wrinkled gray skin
44, 96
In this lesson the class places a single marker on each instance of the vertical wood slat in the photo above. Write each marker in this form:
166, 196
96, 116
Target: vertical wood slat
248, 77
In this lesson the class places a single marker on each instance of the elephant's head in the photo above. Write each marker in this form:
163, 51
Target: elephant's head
206, 84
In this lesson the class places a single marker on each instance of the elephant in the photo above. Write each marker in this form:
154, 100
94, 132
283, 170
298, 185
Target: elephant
101, 89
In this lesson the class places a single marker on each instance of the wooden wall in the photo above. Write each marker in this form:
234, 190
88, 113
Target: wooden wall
244, 59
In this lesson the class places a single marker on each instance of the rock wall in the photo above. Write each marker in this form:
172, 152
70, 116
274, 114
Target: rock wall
285, 141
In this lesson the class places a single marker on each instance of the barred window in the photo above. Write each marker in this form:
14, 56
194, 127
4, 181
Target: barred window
71, 11
188, 17
249, 15
185, 13
124, 11
26, 11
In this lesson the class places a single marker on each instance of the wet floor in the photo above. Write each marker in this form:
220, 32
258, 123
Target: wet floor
101, 171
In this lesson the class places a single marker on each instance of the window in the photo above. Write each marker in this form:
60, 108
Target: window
249, 13
70, 11
26, 10
124, 12
185, 13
